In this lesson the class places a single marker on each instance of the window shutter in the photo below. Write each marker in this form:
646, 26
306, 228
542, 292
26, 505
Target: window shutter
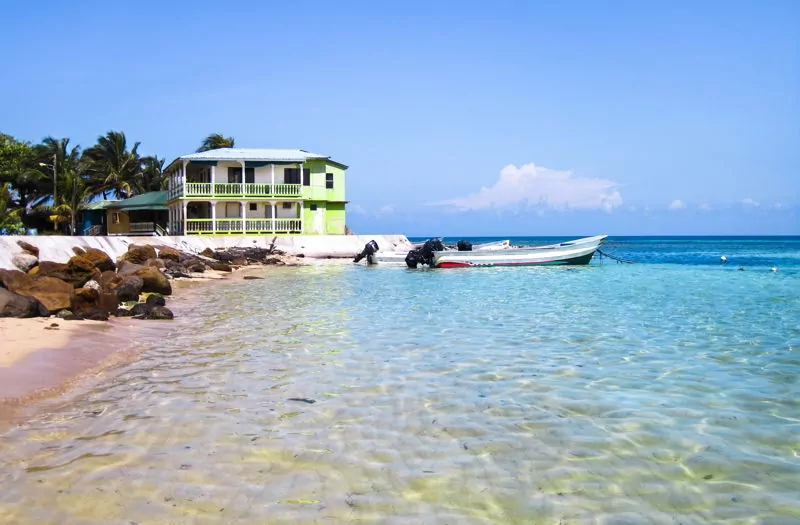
249, 175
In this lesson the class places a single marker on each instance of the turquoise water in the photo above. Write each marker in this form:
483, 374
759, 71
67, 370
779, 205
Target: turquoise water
659, 392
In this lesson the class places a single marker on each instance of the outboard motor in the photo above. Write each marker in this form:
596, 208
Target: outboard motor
369, 251
424, 255
464, 246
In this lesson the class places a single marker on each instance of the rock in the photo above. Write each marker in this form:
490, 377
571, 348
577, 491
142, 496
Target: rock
208, 252
63, 314
84, 301
170, 254
220, 266
34, 270
123, 312
108, 302
53, 293
129, 288
28, 247
140, 309
160, 312
139, 253
274, 260
21, 306
94, 285
155, 263
195, 266
154, 281
155, 300
96, 314
100, 259
176, 270
128, 268
24, 261
239, 261
77, 250
77, 271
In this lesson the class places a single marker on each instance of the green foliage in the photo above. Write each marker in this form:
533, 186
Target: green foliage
10, 221
111, 166
216, 141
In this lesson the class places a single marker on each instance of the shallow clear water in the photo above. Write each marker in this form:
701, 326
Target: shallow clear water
647, 393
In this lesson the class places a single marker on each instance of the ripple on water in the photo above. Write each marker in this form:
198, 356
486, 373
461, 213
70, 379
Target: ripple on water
610, 394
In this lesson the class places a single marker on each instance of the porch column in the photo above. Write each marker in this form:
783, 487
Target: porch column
244, 215
243, 177
213, 178
274, 214
183, 175
272, 174
213, 215
184, 217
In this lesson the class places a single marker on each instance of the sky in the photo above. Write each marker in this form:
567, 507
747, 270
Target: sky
456, 118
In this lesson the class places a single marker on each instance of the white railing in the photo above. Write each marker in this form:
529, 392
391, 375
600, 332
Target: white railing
234, 189
251, 226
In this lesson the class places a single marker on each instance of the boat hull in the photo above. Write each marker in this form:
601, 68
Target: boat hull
578, 252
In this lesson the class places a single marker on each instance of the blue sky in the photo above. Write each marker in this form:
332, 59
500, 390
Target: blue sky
456, 118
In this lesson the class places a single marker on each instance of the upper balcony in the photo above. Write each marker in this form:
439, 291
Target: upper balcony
232, 190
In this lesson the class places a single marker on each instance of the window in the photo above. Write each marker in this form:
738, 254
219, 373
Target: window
306, 177
235, 175
291, 175
287, 205
115, 218
313, 207
253, 206
329, 181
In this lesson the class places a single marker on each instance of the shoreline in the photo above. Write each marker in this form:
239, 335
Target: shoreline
43, 358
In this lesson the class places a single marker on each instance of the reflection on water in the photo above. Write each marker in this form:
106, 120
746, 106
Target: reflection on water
607, 394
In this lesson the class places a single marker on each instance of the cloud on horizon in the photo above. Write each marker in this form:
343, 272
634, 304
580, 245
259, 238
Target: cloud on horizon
677, 204
541, 188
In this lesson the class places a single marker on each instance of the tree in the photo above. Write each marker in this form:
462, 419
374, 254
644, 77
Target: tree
111, 166
76, 191
152, 177
10, 221
216, 141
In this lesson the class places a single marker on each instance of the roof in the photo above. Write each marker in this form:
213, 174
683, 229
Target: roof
154, 200
253, 154
99, 205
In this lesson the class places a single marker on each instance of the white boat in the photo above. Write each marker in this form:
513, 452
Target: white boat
579, 251
400, 257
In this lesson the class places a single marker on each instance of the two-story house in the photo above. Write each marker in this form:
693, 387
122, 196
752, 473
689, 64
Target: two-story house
235, 191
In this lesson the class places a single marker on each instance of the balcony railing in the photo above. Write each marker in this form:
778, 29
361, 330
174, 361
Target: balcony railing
250, 226
234, 189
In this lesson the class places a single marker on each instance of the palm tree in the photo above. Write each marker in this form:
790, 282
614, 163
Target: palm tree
111, 166
53, 156
216, 141
76, 191
152, 177
10, 221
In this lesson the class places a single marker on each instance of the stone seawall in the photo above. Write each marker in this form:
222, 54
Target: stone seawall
59, 248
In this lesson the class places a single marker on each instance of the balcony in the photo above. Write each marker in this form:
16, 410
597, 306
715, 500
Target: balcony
243, 226
228, 190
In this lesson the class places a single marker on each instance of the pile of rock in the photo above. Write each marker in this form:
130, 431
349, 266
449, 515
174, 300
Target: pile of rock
90, 285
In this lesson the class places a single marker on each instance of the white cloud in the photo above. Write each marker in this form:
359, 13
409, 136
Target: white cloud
778, 205
750, 202
386, 209
677, 204
356, 208
542, 188
705, 207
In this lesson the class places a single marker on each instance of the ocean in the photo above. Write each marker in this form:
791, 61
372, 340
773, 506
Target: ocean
665, 391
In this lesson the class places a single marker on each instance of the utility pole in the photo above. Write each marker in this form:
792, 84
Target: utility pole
55, 189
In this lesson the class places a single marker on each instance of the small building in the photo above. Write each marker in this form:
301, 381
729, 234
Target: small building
144, 214
235, 191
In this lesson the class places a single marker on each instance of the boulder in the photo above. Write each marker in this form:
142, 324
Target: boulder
125, 287
16, 305
108, 302
208, 252
274, 260
195, 266
95, 314
91, 283
128, 268
140, 309
167, 253
24, 261
63, 314
28, 247
100, 259
160, 312
154, 280
77, 250
176, 270
155, 300
77, 271
139, 253
123, 312
53, 293
83, 301
34, 270
220, 266
155, 263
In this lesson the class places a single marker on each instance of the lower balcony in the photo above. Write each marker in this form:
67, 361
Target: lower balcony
244, 226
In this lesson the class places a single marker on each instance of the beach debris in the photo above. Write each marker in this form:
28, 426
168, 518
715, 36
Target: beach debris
302, 400
251, 277
741, 268
723, 259
51, 326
